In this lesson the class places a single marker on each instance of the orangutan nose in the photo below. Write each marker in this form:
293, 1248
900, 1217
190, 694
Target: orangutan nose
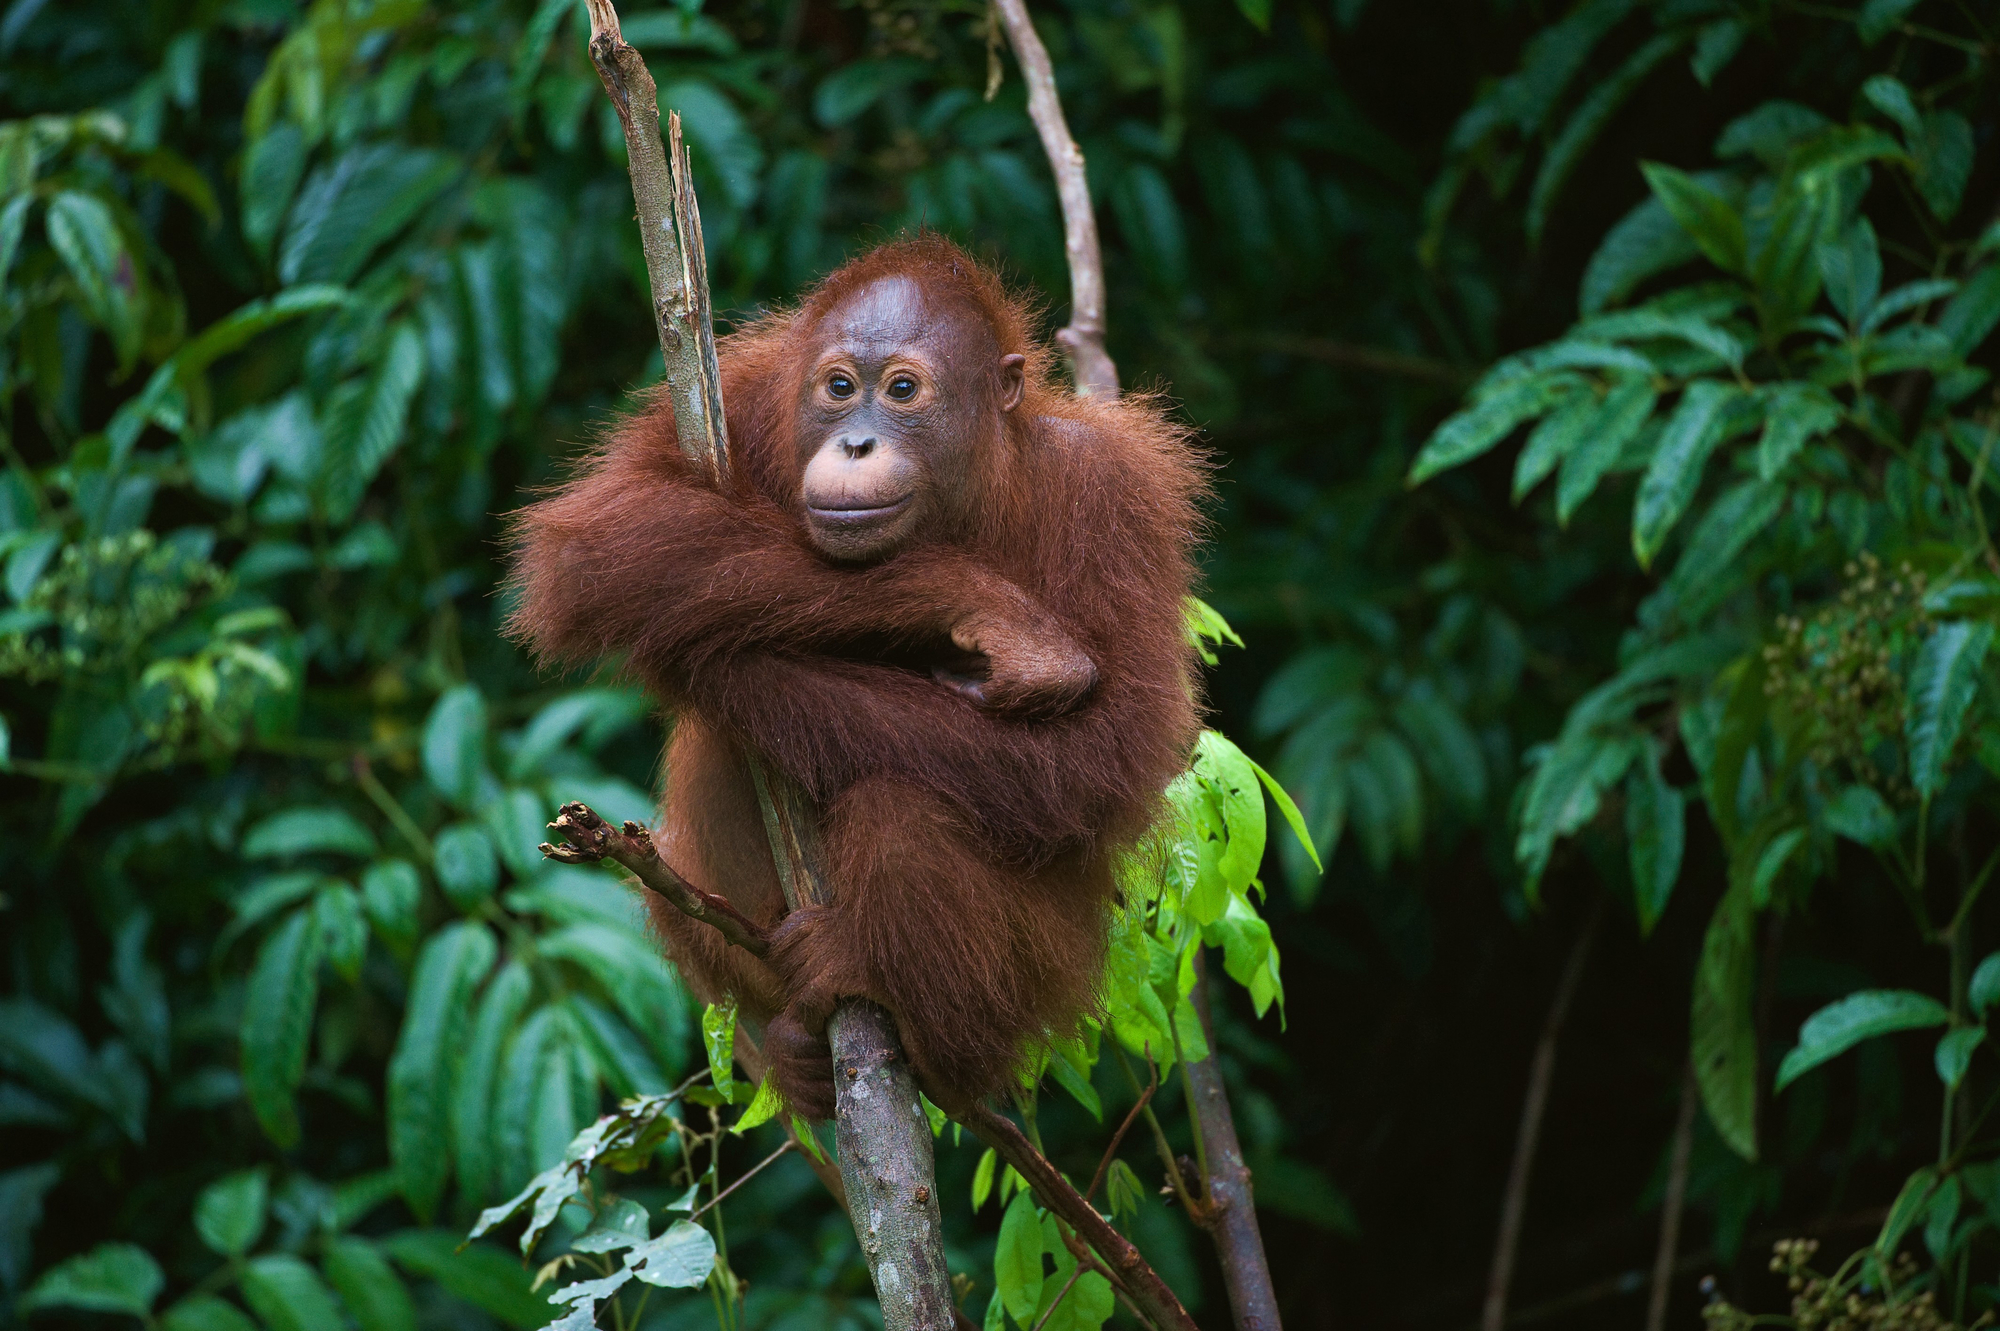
860, 450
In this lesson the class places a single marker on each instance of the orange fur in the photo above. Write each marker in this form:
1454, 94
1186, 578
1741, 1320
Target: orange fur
969, 850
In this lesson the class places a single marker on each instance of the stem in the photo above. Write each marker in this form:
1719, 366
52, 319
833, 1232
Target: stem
1061, 1294
1230, 1206
1117, 1139
1090, 364
1670, 1211
1166, 1152
1514, 1203
1124, 1267
742, 1179
591, 839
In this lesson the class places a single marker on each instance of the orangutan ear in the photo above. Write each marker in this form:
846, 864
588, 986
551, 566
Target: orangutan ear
1013, 381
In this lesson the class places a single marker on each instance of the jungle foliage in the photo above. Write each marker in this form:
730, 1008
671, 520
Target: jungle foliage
1604, 407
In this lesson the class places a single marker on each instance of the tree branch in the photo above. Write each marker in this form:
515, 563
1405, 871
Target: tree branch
1232, 1225
1228, 1207
592, 839
1670, 1211
1127, 1269
1493, 1315
886, 1161
1090, 363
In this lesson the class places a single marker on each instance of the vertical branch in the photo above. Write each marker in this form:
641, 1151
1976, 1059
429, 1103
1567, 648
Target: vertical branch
1090, 364
1670, 1211
886, 1161
678, 278
1231, 1210
1227, 1209
1515, 1202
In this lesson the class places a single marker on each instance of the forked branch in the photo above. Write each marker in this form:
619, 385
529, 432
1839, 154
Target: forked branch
590, 839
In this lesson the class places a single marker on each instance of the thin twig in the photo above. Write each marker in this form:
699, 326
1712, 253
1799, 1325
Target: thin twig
1117, 1138
1061, 1294
717, 1200
591, 839
1090, 363
1670, 1211
1125, 1268
1493, 1316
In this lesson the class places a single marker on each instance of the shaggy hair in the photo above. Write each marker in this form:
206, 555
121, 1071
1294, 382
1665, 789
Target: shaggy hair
969, 850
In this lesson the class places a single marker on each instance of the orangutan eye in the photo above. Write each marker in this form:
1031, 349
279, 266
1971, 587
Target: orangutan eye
840, 386
902, 388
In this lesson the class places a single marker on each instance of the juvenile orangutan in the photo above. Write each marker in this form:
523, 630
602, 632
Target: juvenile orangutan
942, 595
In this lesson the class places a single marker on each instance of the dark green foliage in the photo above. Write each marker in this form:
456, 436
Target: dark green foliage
1694, 302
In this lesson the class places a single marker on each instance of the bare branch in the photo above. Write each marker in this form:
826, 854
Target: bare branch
1493, 1315
1125, 1267
1228, 1208
1090, 363
592, 839
1670, 1212
680, 308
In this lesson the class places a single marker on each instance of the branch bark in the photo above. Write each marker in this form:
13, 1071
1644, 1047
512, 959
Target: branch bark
1229, 1207
1126, 1268
1513, 1205
1083, 339
886, 1161
591, 839
1239, 1245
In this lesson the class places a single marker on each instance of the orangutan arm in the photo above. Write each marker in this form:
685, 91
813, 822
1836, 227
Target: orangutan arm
638, 555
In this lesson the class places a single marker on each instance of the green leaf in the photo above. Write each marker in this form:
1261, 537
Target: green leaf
1715, 46
1626, 408
1877, 17
390, 891
1655, 832
763, 1107
1851, 268
1839, 1026
1646, 242
1970, 317
1771, 862
272, 166
1860, 814
369, 1286
618, 1224
1984, 991
1017, 1260
327, 830
1954, 1053
365, 426
1943, 683
1908, 1208
680, 1258
229, 1213
278, 1005
1233, 780
110, 1278
351, 206
1943, 150
343, 929
982, 1178
466, 867
205, 1312
499, 1011
1794, 413
718, 1038
455, 745
1258, 12
424, 1065
1724, 1043
1559, 434
83, 232
1709, 218
857, 85
1698, 424
481, 1275
1477, 429
1290, 812
288, 1295
1587, 122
